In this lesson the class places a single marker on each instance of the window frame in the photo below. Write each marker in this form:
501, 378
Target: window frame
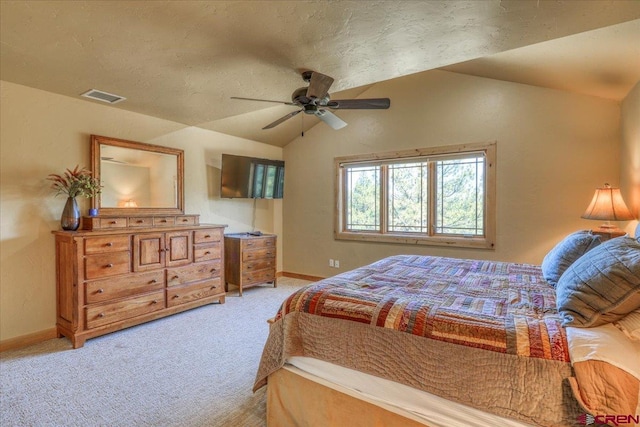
486, 241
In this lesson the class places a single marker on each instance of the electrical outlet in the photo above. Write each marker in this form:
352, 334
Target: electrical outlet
331, 263
336, 264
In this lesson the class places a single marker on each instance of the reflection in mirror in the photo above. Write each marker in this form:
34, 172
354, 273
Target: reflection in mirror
137, 178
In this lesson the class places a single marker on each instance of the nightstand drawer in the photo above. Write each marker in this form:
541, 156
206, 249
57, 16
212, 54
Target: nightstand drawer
265, 242
261, 276
259, 264
258, 254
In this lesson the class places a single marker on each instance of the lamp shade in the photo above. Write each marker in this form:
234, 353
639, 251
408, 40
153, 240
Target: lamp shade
608, 205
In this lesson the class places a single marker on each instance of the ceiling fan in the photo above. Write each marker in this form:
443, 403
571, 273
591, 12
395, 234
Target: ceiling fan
315, 100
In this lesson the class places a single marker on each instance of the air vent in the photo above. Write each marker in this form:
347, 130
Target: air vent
99, 95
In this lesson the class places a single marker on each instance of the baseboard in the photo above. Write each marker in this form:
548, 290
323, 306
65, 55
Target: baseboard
27, 340
299, 276
37, 337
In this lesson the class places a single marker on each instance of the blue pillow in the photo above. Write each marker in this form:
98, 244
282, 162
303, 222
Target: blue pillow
602, 286
566, 253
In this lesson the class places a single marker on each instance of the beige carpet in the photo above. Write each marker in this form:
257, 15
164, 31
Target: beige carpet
191, 369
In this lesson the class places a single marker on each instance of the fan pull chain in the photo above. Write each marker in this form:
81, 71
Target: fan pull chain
302, 126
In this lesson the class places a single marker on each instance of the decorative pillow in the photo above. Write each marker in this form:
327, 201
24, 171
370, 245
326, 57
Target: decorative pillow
566, 253
630, 325
601, 286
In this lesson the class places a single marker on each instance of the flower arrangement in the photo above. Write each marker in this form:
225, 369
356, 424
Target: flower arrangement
75, 183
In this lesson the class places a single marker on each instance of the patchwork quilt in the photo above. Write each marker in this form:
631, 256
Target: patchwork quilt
497, 306
482, 333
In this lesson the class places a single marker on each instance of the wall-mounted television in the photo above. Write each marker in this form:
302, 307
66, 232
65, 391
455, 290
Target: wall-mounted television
251, 178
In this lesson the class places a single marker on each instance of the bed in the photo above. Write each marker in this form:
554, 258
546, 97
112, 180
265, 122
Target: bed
421, 340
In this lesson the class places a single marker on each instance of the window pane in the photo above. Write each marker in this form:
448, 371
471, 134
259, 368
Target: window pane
408, 197
362, 198
258, 180
460, 196
270, 183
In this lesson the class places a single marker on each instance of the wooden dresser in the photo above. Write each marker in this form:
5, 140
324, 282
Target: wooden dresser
113, 278
249, 260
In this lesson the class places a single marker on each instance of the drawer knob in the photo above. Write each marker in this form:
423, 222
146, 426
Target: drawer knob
139, 221
153, 281
174, 277
113, 222
155, 301
207, 253
101, 315
213, 270
185, 220
176, 296
109, 244
100, 291
207, 236
108, 266
163, 220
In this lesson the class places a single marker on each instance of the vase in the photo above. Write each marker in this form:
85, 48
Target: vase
70, 215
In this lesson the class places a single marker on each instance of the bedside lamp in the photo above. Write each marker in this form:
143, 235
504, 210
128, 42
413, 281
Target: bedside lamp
608, 205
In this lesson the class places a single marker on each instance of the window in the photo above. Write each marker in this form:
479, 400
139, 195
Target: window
432, 196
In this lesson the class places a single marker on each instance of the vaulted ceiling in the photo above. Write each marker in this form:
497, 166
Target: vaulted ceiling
183, 60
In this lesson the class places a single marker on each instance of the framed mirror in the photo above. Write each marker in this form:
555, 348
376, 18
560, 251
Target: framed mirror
137, 178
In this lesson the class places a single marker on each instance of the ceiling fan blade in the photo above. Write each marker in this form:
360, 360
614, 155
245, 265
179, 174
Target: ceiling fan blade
360, 104
281, 119
331, 119
263, 100
319, 85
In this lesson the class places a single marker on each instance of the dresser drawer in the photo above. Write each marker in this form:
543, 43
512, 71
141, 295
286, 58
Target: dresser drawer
259, 264
266, 242
121, 287
97, 245
114, 222
186, 220
258, 254
105, 265
138, 221
164, 221
207, 252
208, 235
193, 292
261, 276
103, 314
191, 273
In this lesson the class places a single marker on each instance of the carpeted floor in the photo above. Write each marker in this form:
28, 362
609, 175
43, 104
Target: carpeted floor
191, 369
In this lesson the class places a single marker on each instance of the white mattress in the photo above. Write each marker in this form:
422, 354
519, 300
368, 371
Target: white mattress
412, 403
606, 343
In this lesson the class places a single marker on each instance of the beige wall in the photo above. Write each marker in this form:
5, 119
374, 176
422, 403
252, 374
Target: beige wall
630, 154
554, 149
42, 133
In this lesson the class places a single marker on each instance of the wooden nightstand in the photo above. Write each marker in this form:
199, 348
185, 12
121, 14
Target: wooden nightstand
608, 233
251, 260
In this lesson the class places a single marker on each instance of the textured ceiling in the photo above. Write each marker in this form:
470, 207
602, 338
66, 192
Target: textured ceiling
183, 60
